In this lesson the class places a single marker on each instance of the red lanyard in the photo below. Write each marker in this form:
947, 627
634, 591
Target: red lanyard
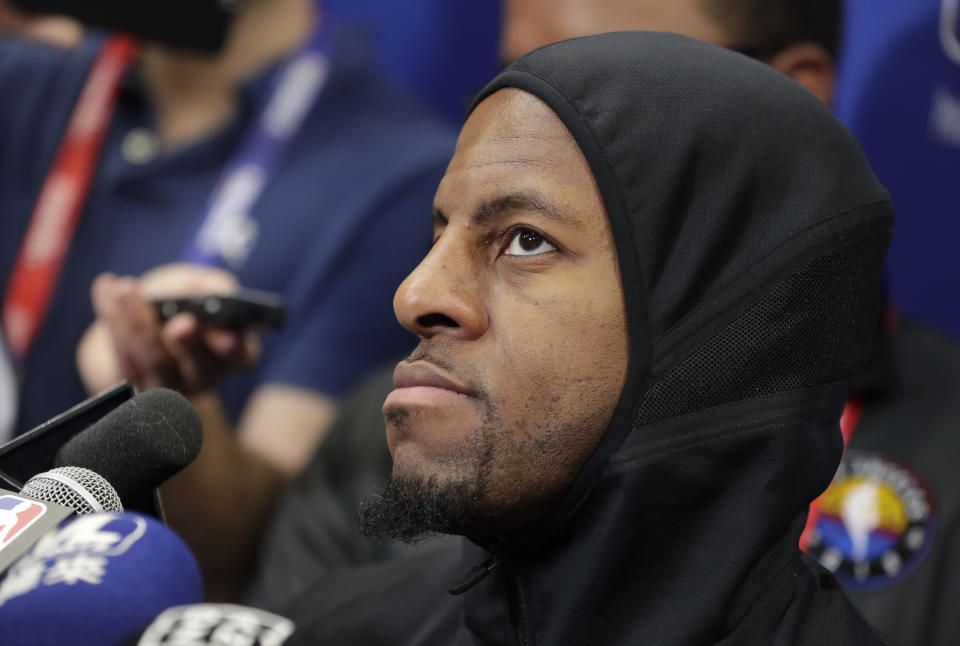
64, 192
849, 421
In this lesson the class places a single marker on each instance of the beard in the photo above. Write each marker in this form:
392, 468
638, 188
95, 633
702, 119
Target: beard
503, 476
412, 508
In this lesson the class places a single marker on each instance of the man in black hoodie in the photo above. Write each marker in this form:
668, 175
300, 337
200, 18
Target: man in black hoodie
655, 264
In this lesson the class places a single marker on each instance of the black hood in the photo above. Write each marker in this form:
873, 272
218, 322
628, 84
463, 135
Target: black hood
751, 234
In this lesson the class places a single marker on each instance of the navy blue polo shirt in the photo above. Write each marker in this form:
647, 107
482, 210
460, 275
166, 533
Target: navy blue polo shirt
341, 223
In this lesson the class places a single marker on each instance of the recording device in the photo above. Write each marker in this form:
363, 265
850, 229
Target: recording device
97, 580
247, 308
138, 446
215, 624
34, 451
195, 24
44, 502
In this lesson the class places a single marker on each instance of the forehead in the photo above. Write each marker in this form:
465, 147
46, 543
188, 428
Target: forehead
513, 141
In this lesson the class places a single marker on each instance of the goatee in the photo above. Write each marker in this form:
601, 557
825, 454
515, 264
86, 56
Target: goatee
411, 510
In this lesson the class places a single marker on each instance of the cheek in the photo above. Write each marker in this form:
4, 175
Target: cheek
570, 350
566, 361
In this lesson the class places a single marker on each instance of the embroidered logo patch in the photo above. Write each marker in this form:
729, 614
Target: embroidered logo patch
876, 522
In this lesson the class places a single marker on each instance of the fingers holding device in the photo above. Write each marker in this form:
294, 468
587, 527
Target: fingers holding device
178, 326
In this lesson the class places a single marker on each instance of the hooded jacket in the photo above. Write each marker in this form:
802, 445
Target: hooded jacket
750, 234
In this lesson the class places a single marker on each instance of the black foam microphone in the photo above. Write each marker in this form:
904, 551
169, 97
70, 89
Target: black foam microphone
139, 445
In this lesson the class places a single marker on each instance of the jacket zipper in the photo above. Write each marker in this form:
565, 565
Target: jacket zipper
514, 593
516, 599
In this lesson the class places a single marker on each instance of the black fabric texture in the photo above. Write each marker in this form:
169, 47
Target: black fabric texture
784, 341
750, 234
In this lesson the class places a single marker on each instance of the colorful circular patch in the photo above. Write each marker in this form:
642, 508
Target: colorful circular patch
876, 522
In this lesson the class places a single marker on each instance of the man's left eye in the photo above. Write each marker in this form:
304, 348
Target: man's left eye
528, 242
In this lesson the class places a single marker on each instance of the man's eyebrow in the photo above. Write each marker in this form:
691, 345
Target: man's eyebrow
528, 200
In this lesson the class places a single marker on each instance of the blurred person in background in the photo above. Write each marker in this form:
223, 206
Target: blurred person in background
280, 162
900, 420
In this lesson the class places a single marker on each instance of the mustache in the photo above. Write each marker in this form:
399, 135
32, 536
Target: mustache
420, 353
442, 361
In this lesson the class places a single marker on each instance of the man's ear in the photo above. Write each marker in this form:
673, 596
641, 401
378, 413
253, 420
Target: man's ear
810, 65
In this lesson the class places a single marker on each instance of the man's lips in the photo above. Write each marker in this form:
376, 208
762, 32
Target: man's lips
424, 374
422, 385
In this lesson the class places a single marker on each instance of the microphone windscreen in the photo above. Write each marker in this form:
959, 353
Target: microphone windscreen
95, 581
80, 489
140, 444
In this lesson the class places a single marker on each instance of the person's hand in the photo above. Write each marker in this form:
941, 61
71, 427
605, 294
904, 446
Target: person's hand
52, 30
128, 342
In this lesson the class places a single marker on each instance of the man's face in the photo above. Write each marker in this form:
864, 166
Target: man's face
523, 336
529, 24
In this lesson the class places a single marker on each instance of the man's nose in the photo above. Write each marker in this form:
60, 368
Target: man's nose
442, 295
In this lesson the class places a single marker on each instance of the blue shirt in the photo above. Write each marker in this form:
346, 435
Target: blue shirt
342, 221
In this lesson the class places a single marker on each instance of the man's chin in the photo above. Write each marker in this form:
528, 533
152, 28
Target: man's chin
412, 462
410, 509
438, 435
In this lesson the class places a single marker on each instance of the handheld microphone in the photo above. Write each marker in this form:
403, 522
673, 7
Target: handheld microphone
82, 490
212, 624
139, 445
44, 502
95, 581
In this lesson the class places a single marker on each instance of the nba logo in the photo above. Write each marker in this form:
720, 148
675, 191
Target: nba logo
16, 515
